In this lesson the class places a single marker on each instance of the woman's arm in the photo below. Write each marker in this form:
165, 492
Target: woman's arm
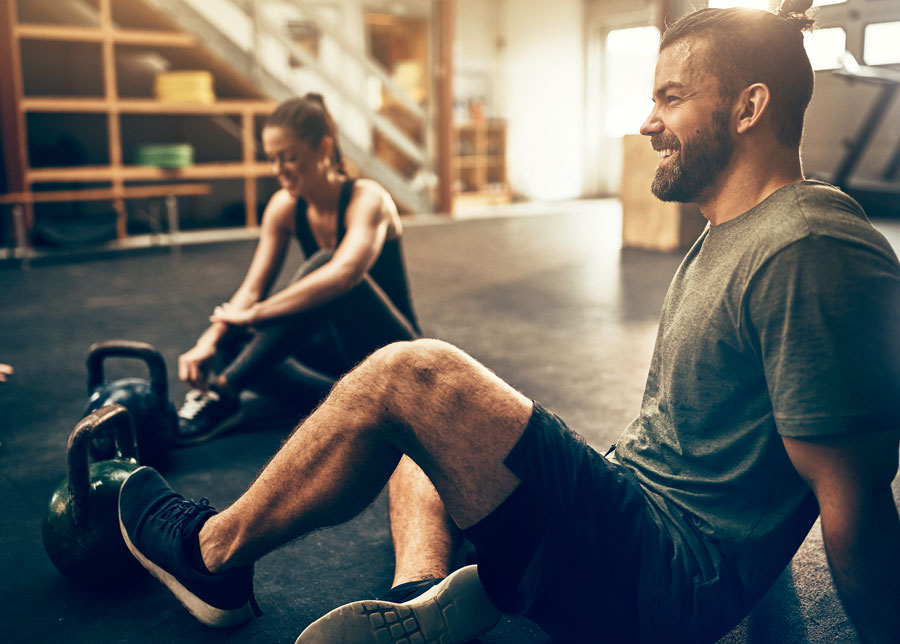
275, 234
371, 217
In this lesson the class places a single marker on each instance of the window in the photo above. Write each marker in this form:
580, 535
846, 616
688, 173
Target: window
629, 65
762, 4
825, 46
880, 44
750, 4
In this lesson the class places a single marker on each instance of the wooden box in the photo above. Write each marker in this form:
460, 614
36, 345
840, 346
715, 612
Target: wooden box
647, 222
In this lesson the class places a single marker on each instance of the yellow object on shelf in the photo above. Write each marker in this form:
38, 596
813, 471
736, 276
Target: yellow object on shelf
186, 86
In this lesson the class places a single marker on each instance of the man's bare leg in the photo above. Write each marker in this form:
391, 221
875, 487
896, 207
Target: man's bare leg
452, 416
424, 536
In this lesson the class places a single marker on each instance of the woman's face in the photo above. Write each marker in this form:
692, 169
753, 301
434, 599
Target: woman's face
296, 165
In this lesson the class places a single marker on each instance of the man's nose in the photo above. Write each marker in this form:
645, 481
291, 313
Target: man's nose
652, 124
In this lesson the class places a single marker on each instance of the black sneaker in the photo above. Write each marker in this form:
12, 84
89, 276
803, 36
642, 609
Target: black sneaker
158, 526
408, 590
204, 415
454, 611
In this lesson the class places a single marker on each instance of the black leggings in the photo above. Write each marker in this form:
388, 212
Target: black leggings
313, 348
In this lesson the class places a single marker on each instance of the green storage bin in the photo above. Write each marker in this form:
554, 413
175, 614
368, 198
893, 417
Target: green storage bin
166, 155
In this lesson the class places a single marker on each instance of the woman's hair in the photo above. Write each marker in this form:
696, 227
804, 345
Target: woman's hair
747, 46
310, 121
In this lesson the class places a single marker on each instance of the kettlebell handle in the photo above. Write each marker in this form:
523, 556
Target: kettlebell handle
99, 351
77, 452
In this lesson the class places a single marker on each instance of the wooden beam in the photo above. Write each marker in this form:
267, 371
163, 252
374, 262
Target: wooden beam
67, 33
248, 130
141, 105
198, 171
104, 194
12, 121
153, 38
446, 17
59, 32
113, 124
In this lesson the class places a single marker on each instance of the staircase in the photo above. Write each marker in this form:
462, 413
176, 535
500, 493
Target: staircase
254, 38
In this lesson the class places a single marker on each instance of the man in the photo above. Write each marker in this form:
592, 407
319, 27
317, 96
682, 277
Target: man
772, 395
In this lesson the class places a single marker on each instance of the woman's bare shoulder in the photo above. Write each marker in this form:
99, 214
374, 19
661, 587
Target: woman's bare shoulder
279, 212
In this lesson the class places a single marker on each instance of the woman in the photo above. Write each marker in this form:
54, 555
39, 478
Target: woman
348, 298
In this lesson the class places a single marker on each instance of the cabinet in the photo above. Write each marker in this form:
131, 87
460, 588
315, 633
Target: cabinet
647, 222
479, 165
76, 101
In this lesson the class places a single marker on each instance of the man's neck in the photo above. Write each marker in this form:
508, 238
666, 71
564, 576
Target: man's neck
747, 184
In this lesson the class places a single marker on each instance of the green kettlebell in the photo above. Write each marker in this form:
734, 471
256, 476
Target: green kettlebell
81, 527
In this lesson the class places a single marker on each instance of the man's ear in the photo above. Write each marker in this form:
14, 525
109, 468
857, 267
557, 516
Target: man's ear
752, 104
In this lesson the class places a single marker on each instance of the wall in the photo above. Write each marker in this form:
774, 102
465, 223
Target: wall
544, 97
839, 107
531, 54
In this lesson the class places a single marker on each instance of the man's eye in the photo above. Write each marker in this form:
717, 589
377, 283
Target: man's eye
671, 99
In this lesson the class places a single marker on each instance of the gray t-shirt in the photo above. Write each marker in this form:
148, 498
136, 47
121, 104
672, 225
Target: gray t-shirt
780, 322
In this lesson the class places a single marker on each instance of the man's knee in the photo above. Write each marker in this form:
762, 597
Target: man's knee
419, 373
424, 362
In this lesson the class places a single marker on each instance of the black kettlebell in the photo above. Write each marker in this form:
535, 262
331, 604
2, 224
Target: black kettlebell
81, 527
155, 419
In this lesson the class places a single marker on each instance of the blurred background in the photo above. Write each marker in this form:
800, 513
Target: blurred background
137, 122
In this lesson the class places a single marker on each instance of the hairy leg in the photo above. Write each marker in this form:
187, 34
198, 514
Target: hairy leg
424, 536
454, 418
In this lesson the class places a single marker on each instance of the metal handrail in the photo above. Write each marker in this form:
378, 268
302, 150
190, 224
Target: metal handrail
247, 56
391, 131
371, 66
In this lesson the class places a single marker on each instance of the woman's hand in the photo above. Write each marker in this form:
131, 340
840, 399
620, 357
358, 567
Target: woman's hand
192, 364
230, 314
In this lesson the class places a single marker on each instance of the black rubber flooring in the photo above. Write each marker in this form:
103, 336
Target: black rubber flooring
549, 302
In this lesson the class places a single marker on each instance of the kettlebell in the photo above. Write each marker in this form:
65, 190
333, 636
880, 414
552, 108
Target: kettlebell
155, 419
81, 526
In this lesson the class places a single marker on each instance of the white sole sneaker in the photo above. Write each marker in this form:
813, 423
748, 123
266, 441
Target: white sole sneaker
455, 611
204, 612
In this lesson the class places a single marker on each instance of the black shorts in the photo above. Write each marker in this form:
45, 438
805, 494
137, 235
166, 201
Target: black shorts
565, 548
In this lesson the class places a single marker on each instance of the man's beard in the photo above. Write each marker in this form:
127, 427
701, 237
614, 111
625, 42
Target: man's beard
699, 163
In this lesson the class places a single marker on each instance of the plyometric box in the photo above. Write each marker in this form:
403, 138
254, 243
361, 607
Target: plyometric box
647, 222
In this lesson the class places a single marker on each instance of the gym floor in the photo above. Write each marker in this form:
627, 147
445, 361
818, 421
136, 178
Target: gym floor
548, 301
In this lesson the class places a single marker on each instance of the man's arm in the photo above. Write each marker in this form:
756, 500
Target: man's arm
851, 476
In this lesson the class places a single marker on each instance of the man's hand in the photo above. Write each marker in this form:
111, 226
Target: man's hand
851, 476
192, 364
5, 372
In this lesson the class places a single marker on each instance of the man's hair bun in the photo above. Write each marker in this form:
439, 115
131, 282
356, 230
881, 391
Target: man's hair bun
795, 12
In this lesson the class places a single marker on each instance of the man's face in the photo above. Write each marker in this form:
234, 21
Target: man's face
688, 126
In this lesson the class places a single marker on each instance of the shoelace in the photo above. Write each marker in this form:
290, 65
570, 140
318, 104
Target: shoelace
196, 402
180, 512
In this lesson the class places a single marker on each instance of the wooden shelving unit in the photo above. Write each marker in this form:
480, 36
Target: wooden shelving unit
479, 164
109, 180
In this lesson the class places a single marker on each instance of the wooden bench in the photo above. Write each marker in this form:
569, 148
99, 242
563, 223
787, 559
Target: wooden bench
22, 203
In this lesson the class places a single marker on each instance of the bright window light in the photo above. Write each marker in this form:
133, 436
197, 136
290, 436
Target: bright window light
880, 44
629, 64
825, 46
762, 4
749, 4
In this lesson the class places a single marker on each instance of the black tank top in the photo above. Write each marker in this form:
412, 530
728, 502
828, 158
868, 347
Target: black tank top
388, 271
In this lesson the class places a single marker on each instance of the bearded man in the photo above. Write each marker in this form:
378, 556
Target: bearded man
772, 398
